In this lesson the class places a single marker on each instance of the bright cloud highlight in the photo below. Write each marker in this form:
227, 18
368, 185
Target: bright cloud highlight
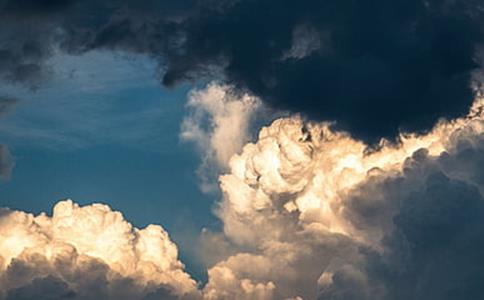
87, 252
318, 215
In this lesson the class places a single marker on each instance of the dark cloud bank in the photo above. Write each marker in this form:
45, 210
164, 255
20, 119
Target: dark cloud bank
374, 66
433, 218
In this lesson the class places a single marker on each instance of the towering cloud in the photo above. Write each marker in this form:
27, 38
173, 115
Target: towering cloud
87, 252
318, 214
374, 67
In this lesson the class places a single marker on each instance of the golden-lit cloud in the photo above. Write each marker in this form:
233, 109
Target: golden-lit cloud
308, 169
292, 199
86, 248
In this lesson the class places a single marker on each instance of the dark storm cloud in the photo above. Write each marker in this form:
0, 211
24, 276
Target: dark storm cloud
373, 66
433, 215
31, 30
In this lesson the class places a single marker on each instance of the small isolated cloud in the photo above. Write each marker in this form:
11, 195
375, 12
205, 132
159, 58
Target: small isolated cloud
6, 104
6, 162
6, 159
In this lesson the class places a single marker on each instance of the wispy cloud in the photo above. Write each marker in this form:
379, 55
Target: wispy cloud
96, 98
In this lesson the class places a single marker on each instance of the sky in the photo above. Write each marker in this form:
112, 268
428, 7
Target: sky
104, 130
241, 149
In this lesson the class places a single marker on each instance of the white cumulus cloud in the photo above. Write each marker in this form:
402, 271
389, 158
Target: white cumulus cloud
87, 252
314, 210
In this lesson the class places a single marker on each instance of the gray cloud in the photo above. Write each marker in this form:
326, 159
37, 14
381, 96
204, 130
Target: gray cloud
37, 278
6, 104
46, 288
6, 162
6, 159
432, 215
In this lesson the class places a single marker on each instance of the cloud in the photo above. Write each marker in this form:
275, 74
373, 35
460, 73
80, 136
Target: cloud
42, 288
435, 236
87, 252
308, 210
307, 213
6, 104
6, 162
218, 123
317, 214
374, 68
6, 159
36, 29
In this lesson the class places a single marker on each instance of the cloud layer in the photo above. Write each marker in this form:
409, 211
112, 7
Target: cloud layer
373, 67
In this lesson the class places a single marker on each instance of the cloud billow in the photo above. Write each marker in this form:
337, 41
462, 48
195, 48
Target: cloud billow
316, 216
87, 253
434, 244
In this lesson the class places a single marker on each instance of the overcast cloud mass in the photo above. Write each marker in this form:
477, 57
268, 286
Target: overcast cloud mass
374, 67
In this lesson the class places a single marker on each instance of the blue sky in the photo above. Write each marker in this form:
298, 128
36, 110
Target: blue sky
102, 129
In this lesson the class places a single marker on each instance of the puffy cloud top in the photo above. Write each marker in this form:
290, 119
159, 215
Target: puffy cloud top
316, 213
87, 252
